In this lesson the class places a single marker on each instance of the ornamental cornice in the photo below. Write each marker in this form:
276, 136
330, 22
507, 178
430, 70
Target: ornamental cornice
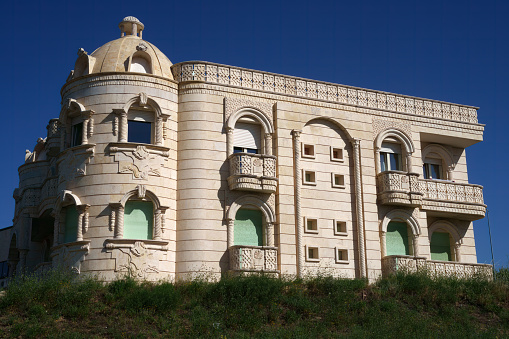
246, 94
108, 79
223, 75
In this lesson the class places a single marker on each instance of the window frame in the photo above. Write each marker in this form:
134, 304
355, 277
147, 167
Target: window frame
340, 259
332, 158
304, 179
305, 146
314, 248
340, 233
308, 230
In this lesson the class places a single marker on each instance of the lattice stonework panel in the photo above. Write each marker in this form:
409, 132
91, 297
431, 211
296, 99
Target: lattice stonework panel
232, 105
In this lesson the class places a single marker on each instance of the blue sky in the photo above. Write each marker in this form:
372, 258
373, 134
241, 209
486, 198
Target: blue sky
453, 51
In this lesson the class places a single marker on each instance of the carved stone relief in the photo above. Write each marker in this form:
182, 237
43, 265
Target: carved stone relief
71, 255
381, 125
232, 105
74, 164
136, 260
140, 162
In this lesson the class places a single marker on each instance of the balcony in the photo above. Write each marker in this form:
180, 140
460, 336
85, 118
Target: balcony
253, 259
442, 198
465, 201
393, 263
252, 172
399, 188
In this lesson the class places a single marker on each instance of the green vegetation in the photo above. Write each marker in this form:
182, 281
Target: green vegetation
401, 306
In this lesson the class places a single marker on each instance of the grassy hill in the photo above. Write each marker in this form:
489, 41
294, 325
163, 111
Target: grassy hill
401, 306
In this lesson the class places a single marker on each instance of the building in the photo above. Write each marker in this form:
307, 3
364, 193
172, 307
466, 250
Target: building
165, 171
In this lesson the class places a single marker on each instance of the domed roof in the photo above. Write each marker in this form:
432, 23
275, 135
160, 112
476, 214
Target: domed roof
128, 54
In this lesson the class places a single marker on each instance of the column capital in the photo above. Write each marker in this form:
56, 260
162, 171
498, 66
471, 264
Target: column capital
296, 133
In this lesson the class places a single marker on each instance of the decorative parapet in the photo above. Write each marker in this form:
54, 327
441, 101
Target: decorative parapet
252, 172
394, 263
452, 197
399, 188
253, 259
288, 85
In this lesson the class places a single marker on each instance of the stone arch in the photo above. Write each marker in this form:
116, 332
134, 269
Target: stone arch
254, 201
335, 122
68, 198
450, 228
402, 216
72, 109
404, 140
142, 55
143, 100
142, 193
253, 113
446, 156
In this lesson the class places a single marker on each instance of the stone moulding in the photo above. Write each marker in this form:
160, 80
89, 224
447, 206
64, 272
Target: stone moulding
410, 264
252, 172
70, 255
401, 188
270, 82
72, 162
253, 259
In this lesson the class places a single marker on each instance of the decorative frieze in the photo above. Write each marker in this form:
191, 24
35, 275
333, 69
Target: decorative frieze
246, 78
139, 160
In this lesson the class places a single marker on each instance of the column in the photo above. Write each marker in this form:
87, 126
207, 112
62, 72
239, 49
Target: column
157, 226
79, 236
119, 230
229, 141
270, 234
457, 253
298, 212
230, 235
159, 131
359, 207
84, 132
268, 143
56, 228
123, 126
416, 245
384, 244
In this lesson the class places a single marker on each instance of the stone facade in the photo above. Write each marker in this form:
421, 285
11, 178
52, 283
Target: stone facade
168, 171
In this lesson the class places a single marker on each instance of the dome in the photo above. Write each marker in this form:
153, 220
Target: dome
128, 54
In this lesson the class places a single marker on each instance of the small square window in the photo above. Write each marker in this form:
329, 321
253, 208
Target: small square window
336, 154
309, 177
340, 228
312, 253
77, 134
310, 225
308, 151
338, 180
341, 256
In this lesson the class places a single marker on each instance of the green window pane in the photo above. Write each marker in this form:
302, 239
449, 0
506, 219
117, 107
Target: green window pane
397, 239
440, 246
138, 220
71, 224
248, 228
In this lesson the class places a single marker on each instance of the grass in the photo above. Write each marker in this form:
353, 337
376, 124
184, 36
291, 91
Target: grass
400, 306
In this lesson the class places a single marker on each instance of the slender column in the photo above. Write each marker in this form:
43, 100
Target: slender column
84, 132
416, 245
229, 141
135, 29
56, 228
159, 131
378, 168
384, 244
163, 218
457, 253
449, 174
112, 218
270, 234
409, 162
157, 226
119, 230
230, 240
268, 143
123, 126
298, 213
359, 207
79, 236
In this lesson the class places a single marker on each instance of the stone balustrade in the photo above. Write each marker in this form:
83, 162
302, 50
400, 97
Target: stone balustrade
252, 172
253, 259
288, 85
394, 263
445, 197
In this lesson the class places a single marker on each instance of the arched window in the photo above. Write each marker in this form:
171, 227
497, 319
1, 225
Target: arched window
440, 246
70, 223
437, 162
393, 150
140, 65
247, 136
397, 240
248, 227
138, 219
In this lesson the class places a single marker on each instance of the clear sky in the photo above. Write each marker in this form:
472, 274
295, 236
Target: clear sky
447, 50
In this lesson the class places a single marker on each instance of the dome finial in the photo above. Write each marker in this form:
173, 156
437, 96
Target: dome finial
131, 26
